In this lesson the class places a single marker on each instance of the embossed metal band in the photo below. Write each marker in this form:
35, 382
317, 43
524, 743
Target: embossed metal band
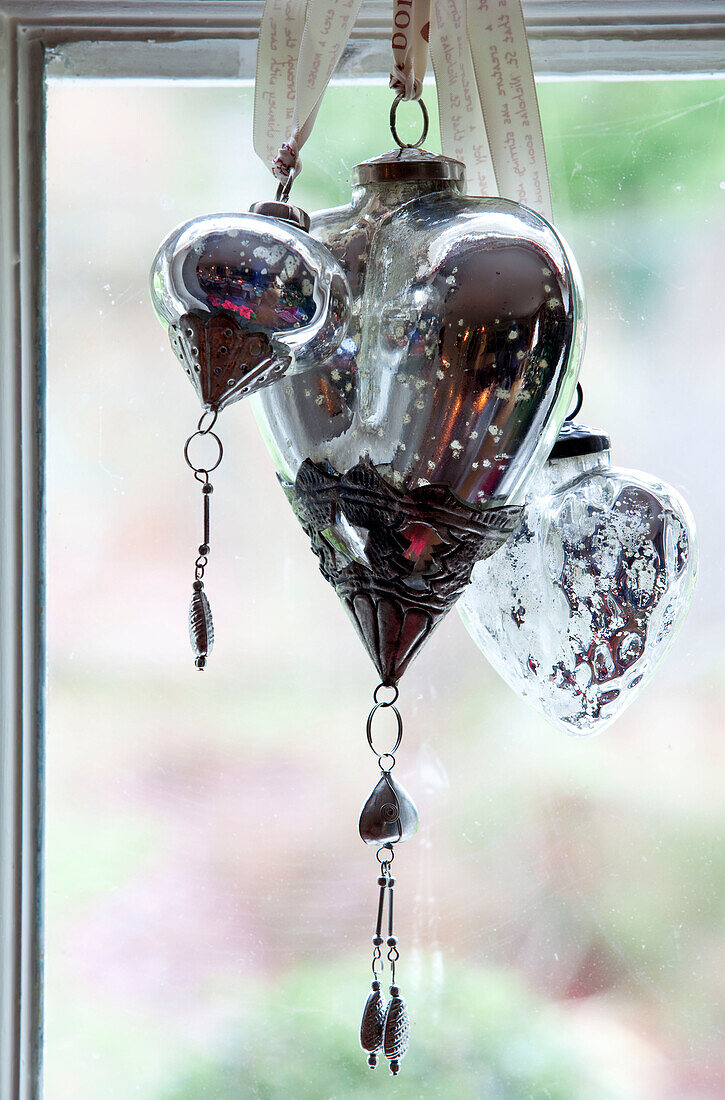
413, 554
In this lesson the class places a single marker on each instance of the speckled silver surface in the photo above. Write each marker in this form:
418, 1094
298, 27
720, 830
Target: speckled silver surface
579, 607
471, 327
268, 277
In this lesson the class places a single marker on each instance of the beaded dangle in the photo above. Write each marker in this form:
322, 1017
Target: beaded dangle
201, 624
388, 817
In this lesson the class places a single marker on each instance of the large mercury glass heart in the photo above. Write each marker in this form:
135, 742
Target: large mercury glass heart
400, 459
577, 610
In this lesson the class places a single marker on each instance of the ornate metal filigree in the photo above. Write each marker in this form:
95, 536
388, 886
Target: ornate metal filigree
397, 560
225, 361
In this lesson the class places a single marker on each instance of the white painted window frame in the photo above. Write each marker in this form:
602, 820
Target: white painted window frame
170, 39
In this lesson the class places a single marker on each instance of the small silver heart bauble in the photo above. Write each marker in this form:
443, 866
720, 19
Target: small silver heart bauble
583, 601
247, 298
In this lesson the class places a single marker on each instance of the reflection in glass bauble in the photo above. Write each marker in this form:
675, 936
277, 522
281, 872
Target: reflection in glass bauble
222, 279
321, 407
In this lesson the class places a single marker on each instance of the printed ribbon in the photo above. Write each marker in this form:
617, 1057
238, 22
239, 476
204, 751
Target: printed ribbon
489, 113
501, 62
300, 44
411, 29
487, 105
463, 130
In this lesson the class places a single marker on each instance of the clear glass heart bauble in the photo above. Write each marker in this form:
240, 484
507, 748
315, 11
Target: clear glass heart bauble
579, 607
247, 298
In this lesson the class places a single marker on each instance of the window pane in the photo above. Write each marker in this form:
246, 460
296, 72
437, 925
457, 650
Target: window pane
209, 903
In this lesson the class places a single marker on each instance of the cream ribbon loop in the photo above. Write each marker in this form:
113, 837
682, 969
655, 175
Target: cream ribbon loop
300, 44
409, 41
487, 104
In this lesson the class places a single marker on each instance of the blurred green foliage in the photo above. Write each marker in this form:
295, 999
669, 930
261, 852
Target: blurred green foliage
623, 143
609, 142
486, 1037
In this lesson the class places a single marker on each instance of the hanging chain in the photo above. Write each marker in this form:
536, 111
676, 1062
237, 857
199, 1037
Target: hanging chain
388, 817
201, 625
385, 704
378, 937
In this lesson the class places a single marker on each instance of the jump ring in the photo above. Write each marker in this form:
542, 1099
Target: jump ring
380, 762
386, 702
285, 186
207, 433
369, 728
388, 848
393, 112
213, 413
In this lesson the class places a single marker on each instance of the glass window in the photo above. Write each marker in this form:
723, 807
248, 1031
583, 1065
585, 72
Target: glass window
209, 904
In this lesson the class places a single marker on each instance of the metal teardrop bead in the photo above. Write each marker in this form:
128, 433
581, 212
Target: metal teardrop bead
201, 625
371, 1025
396, 1031
389, 815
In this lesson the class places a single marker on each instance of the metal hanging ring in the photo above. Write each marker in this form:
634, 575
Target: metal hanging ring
285, 186
393, 112
206, 434
369, 729
204, 428
386, 702
579, 402
389, 857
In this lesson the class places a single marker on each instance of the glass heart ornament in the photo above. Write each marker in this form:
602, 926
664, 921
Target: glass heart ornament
577, 610
403, 465
247, 298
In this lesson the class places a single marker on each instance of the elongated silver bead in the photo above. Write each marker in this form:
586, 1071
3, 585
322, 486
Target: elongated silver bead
201, 625
371, 1025
396, 1030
